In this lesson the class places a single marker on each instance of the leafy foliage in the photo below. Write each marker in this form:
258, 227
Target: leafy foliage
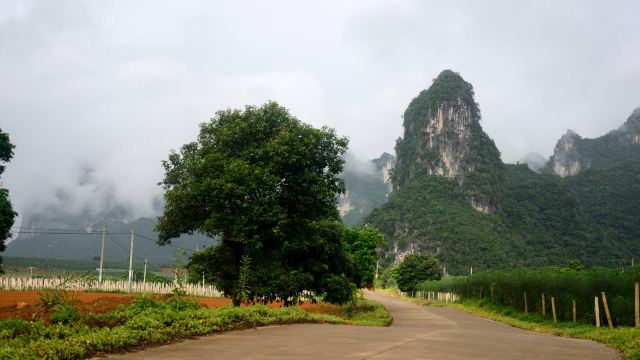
416, 268
389, 278
361, 244
267, 184
7, 214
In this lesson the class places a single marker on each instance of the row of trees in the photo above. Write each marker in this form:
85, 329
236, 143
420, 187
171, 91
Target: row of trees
266, 185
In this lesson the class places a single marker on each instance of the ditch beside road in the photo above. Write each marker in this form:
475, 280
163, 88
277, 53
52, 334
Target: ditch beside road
417, 332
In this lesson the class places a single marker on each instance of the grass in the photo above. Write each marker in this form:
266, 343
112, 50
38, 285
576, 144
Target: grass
149, 322
624, 339
365, 313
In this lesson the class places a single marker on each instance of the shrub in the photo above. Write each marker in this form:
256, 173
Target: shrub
416, 268
65, 314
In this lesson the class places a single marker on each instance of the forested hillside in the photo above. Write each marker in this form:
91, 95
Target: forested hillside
454, 197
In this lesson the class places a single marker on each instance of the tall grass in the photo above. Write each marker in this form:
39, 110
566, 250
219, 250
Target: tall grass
507, 287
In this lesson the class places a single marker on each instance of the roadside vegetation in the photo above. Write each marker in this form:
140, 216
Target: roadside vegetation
565, 285
72, 335
624, 339
500, 295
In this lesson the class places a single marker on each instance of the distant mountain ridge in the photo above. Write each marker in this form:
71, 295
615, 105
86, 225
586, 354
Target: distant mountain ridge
573, 153
84, 243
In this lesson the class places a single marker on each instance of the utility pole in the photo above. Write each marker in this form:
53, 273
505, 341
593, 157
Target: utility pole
202, 279
131, 261
31, 273
144, 277
104, 232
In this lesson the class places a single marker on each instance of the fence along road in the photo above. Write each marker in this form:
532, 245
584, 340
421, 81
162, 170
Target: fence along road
417, 332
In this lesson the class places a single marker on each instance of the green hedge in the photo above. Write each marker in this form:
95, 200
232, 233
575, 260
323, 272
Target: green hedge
565, 285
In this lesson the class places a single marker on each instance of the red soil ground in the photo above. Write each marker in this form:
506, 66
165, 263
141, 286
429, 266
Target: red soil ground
26, 304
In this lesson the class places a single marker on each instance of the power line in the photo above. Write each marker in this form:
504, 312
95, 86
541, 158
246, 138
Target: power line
52, 231
64, 232
65, 229
169, 244
125, 250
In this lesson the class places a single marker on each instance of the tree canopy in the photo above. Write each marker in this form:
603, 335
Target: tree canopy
266, 184
361, 244
7, 215
416, 268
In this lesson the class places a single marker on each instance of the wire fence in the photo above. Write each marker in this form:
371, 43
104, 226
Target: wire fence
29, 284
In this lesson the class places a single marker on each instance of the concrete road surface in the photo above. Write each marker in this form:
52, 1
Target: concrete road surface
417, 332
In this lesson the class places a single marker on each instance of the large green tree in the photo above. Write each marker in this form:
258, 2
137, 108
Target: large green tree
266, 184
416, 268
361, 245
7, 215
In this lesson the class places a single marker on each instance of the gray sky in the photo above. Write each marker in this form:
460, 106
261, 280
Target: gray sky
113, 85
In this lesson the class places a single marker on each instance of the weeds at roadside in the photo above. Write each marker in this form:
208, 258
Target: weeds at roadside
624, 339
148, 321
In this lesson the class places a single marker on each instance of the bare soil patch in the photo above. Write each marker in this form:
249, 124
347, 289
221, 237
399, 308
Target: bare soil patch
26, 304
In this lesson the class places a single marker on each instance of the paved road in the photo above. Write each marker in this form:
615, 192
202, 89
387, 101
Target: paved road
417, 332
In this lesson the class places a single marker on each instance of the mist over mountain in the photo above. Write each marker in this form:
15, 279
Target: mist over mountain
534, 160
68, 224
368, 184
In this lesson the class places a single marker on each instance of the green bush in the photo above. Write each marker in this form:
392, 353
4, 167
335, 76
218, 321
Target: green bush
416, 268
65, 314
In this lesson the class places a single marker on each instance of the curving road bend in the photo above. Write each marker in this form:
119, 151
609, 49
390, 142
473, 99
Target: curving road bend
417, 332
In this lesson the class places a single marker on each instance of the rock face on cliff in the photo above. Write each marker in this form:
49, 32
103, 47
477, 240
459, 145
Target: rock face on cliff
384, 166
574, 154
443, 136
566, 160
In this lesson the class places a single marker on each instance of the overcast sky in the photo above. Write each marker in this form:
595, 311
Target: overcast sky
113, 85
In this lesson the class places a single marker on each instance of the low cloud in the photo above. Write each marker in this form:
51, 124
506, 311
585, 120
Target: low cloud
113, 86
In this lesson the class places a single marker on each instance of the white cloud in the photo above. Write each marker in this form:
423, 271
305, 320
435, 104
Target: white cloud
117, 84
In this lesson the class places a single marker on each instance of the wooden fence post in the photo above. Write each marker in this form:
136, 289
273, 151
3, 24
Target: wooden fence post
574, 310
544, 310
491, 293
606, 310
526, 309
638, 304
596, 309
553, 309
